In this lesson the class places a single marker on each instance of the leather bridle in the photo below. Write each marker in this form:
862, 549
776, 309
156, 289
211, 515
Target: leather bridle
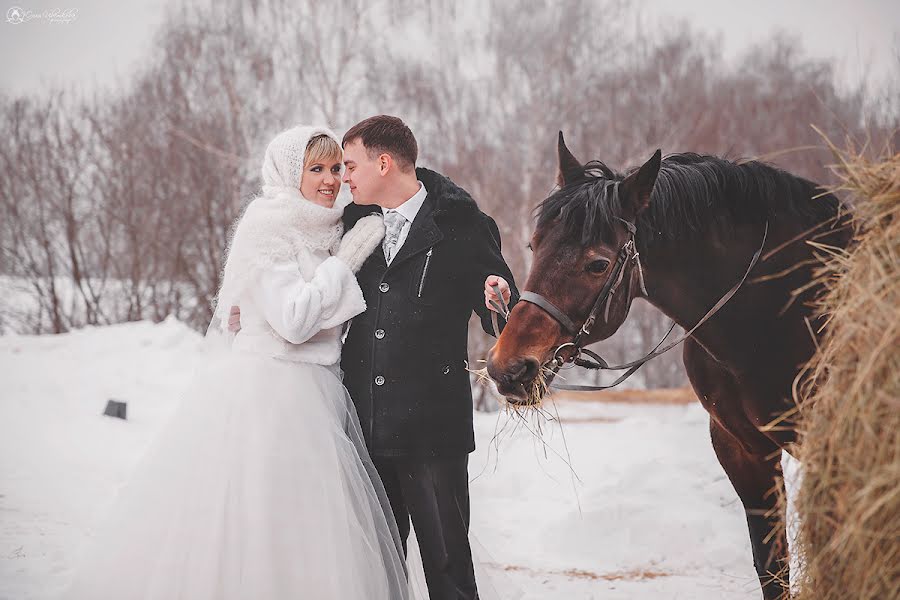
627, 254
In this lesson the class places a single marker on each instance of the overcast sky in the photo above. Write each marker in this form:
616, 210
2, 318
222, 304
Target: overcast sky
106, 39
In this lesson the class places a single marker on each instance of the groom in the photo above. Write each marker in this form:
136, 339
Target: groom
404, 357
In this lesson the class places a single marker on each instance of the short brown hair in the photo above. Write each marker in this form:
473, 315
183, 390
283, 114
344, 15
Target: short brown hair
388, 135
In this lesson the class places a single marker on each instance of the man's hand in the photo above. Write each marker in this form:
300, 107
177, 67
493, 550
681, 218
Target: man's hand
490, 295
234, 319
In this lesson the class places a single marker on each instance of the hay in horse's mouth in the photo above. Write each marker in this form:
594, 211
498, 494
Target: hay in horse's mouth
539, 388
533, 406
533, 395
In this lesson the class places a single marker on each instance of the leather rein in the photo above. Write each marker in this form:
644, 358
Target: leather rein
581, 356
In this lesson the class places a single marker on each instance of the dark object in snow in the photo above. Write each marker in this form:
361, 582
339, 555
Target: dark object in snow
117, 409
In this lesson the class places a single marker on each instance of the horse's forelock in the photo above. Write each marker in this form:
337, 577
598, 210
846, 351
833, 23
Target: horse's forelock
587, 208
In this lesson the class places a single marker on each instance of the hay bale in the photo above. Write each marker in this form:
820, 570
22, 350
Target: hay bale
849, 402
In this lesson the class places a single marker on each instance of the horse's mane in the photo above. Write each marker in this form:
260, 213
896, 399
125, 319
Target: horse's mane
692, 193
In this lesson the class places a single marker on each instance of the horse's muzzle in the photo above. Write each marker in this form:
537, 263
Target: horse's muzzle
515, 378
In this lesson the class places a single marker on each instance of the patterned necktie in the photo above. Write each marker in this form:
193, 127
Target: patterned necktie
393, 223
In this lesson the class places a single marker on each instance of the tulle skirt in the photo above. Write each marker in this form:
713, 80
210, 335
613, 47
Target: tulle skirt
260, 487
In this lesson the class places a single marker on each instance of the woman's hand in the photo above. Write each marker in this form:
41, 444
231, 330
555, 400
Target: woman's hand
358, 243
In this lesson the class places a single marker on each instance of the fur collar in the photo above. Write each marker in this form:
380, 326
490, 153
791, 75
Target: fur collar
290, 217
447, 198
274, 229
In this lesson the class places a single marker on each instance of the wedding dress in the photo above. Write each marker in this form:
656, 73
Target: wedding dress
259, 488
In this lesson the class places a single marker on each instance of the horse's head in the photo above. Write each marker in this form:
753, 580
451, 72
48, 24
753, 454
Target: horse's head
583, 275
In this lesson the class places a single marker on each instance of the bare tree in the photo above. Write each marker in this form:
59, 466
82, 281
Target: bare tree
119, 206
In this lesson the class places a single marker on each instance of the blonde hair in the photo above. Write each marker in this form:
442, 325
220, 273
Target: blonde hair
321, 148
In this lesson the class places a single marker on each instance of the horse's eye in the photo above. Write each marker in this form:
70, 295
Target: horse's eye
597, 266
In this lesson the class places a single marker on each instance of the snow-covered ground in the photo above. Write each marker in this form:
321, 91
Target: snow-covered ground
623, 502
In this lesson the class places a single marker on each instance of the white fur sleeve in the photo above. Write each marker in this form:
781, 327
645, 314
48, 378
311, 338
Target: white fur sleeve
298, 309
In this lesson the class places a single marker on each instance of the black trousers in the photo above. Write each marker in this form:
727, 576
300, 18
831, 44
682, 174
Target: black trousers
434, 493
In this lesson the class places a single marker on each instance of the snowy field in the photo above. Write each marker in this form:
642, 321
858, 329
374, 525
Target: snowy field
626, 501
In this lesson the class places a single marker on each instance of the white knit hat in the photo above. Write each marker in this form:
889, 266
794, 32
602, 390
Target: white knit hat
283, 163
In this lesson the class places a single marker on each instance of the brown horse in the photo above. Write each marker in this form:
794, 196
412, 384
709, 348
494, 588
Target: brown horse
695, 222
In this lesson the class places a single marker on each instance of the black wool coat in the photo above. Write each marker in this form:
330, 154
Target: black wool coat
404, 359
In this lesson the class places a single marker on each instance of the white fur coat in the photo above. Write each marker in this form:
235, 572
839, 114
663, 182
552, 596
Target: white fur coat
293, 295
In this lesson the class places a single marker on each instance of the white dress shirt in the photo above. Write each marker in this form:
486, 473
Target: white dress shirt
409, 209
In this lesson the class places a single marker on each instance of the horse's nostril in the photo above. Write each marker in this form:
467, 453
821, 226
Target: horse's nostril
517, 375
525, 371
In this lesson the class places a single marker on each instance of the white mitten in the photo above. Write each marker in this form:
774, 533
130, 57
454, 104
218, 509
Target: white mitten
358, 243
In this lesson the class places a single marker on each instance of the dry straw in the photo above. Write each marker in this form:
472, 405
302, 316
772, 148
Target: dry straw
849, 401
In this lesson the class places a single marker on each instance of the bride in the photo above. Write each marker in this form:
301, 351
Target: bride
261, 486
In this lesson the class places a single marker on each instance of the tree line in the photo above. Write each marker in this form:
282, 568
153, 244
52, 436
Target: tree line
116, 204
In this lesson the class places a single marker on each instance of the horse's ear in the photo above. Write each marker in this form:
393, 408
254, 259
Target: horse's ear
639, 185
569, 167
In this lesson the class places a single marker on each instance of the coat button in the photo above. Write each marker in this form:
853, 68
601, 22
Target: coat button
379, 333
379, 380
446, 370
383, 287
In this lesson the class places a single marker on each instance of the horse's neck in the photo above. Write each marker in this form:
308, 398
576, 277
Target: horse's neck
685, 278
